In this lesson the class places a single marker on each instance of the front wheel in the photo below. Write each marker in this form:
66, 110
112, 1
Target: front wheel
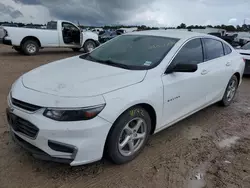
89, 45
230, 91
128, 135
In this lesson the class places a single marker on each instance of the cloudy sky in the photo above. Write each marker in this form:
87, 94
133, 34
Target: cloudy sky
149, 12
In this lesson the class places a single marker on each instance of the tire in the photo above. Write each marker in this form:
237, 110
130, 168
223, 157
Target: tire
89, 45
123, 131
230, 92
76, 49
30, 47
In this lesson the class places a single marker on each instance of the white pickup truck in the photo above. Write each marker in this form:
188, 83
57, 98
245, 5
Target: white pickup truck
58, 34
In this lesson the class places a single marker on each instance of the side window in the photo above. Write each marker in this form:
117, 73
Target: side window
227, 49
214, 49
191, 53
69, 26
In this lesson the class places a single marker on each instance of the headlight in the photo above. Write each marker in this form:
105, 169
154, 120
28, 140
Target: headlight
77, 114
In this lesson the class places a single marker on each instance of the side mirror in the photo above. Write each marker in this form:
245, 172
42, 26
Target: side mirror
182, 67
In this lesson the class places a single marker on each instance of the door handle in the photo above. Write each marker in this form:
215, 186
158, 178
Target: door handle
203, 72
228, 63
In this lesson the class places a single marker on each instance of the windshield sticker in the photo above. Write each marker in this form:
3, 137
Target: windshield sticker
147, 63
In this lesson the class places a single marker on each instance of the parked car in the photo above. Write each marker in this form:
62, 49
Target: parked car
242, 38
59, 34
112, 99
105, 36
245, 51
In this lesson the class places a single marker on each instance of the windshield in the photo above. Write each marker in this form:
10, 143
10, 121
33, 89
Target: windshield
133, 51
246, 46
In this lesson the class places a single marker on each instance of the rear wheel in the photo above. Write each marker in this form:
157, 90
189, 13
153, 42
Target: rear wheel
129, 135
89, 45
230, 91
30, 47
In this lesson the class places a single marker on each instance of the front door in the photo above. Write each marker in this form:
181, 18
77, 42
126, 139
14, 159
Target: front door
184, 92
71, 35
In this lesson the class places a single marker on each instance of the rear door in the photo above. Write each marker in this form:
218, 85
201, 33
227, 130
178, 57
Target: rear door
216, 68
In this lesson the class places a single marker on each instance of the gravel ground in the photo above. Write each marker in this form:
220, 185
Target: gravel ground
209, 149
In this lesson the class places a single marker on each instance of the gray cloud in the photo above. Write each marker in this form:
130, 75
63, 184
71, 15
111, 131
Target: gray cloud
28, 2
91, 12
4, 9
150, 12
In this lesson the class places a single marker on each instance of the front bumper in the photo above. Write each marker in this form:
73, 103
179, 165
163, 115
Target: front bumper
75, 143
36, 152
97, 43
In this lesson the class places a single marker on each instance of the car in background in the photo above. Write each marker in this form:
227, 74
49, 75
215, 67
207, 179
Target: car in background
110, 100
106, 35
245, 51
242, 38
58, 34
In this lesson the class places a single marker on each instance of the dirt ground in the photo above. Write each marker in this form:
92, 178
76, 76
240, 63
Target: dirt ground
209, 149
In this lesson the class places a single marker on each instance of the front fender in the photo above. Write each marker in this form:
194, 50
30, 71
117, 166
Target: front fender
142, 93
87, 35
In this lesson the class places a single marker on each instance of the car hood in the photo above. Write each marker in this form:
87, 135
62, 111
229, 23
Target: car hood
76, 77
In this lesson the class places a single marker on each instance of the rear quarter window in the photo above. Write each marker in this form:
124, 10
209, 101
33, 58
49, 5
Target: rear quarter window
227, 49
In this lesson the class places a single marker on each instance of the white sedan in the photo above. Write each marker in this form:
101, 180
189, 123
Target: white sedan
245, 51
109, 101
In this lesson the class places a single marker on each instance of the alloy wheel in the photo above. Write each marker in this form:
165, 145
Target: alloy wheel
132, 136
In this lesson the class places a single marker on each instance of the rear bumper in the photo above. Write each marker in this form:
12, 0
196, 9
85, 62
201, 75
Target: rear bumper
7, 41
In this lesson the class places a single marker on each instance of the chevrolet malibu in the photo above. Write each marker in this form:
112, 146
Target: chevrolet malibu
109, 101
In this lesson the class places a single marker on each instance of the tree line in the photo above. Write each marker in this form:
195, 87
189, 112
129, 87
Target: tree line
232, 28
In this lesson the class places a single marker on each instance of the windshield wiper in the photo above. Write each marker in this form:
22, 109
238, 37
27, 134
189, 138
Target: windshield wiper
113, 63
106, 62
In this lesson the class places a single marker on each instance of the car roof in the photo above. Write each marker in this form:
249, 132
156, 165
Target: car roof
172, 34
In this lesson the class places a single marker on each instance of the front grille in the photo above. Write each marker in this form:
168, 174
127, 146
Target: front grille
22, 126
24, 105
